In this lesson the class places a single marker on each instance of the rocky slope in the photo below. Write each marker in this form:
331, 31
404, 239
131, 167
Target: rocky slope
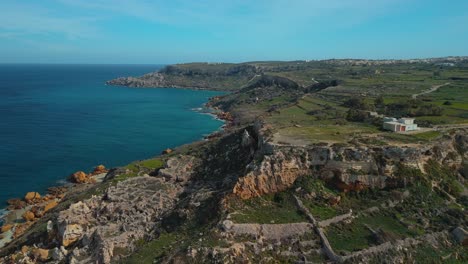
119, 215
239, 197
347, 167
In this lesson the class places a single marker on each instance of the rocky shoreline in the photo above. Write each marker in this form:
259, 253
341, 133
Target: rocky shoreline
240, 196
22, 213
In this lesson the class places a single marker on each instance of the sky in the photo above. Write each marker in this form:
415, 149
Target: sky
163, 32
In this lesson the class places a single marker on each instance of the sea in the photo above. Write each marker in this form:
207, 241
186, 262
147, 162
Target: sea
58, 119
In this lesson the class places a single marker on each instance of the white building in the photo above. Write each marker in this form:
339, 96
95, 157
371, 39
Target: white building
399, 125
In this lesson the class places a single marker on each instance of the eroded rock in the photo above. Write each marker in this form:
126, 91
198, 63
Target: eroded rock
32, 197
124, 214
178, 169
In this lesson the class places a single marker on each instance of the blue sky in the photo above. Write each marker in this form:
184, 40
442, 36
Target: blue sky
130, 31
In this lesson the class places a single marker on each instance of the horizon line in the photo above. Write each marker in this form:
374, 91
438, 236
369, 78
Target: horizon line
242, 62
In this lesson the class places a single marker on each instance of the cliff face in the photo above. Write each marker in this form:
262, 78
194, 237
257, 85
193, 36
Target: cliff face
345, 167
192, 188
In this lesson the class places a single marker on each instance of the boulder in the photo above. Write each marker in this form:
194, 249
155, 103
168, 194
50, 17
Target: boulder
28, 216
227, 225
32, 197
6, 228
460, 235
24, 250
40, 254
80, 177
37, 211
71, 222
71, 233
99, 170
50, 205
166, 151
16, 203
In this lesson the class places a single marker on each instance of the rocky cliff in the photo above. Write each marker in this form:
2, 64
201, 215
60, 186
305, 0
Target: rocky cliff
344, 166
188, 194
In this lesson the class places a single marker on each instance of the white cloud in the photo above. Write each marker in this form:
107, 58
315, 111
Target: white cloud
19, 18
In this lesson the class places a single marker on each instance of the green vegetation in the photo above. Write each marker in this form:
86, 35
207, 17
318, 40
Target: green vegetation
151, 163
155, 249
454, 254
135, 167
279, 208
357, 236
428, 136
445, 177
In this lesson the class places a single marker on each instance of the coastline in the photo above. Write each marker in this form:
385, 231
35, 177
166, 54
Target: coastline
14, 216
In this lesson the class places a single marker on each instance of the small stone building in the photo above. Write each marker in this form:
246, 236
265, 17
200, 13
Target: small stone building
399, 125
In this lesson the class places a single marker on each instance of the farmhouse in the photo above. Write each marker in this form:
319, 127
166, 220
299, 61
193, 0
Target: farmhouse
399, 125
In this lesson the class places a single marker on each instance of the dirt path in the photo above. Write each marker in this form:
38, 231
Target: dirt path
433, 89
255, 76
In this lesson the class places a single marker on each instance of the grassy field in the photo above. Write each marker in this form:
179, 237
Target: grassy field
266, 210
357, 236
148, 252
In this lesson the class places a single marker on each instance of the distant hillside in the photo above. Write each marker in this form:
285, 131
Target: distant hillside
220, 76
362, 76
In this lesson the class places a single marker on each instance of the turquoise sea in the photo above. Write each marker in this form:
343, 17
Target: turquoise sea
57, 119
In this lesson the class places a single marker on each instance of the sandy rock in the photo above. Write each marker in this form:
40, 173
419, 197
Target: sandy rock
71, 223
79, 177
71, 234
32, 197
50, 205
40, 254
166, 151
37, 211
24, 249
6, 228
29, 216
16, 203
99, 170
275, 173
348, 168
21, 228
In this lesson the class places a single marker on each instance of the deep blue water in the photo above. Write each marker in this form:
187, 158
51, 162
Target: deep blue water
57, 119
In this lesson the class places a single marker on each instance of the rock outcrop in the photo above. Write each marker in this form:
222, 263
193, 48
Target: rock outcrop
460, 235
80, 177
124, 214
346, 167
100, 169
32, 197
29, 216
178, 169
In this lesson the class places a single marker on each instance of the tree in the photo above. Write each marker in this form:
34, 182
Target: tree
379, 101
357, 115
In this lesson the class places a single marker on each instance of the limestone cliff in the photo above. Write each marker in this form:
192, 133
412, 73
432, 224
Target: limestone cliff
347, 167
